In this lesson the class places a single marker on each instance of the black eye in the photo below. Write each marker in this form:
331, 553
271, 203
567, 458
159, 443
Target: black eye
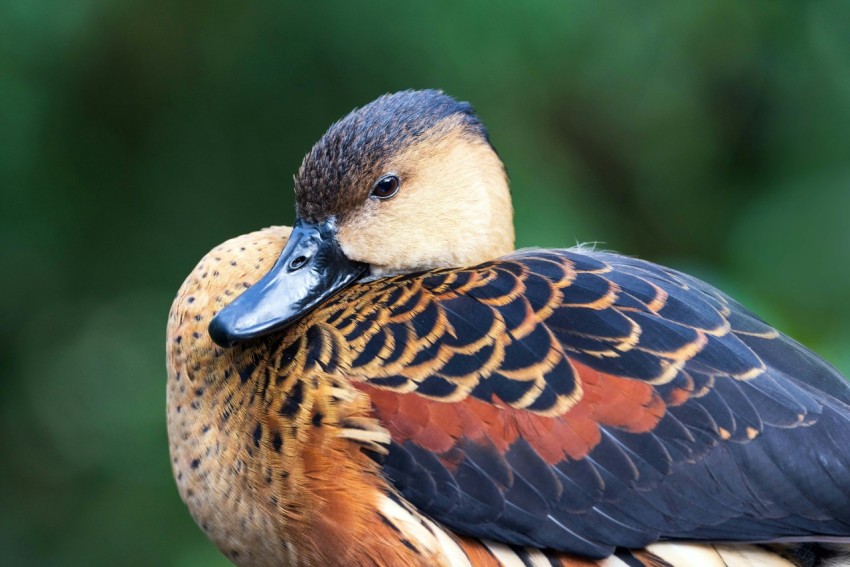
386, 187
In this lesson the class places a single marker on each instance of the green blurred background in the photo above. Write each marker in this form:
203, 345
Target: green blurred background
134, 136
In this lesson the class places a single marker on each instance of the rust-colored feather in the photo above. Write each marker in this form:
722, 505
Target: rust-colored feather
530, 409
284, 449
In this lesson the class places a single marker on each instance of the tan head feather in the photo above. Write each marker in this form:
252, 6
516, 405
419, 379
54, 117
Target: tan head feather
453, 208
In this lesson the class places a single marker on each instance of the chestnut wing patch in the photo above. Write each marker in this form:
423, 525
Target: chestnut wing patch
582, 400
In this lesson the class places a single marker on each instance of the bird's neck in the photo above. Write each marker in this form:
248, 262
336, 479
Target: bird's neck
271, 459
269, 449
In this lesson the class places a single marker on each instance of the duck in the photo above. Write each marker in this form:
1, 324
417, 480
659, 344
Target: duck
390, 382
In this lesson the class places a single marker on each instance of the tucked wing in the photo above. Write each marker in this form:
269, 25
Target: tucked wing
584, 400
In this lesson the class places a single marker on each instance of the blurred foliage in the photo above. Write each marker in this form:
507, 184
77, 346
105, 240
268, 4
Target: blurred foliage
136, 135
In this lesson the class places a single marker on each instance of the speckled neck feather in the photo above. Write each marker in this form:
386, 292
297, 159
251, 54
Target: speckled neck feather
275, 453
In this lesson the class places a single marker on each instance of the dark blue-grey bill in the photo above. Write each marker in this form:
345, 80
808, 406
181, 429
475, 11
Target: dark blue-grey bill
311, 268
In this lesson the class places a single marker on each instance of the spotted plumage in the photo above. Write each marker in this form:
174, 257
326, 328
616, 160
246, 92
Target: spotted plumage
534, 407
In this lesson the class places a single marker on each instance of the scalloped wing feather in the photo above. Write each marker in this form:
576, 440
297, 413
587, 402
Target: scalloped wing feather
581, 401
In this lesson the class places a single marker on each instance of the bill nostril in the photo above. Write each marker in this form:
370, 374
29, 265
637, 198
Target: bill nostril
298, 263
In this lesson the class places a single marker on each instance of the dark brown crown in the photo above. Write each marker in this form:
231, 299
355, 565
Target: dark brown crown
338, 172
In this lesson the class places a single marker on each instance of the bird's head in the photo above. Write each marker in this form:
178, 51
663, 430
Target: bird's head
407, 183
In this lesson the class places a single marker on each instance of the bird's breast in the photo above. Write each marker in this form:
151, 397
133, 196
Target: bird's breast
272, 454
